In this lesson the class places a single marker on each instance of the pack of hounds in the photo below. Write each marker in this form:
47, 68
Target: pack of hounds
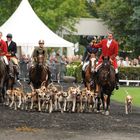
54, 98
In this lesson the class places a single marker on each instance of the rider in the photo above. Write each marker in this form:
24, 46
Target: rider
12, 50
86, 56
41, 50
3, 51
109, 48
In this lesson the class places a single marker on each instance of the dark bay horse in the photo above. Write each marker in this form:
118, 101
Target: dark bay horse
89, 70
3, 78
39, 73
105, 84
11, 76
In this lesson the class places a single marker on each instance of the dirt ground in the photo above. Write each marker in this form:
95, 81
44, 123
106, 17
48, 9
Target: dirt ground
23, 125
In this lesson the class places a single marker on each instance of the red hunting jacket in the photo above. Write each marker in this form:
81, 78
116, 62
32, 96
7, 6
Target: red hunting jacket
3, 48
111, 51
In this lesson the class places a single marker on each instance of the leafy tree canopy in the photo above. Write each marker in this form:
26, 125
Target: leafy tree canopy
123, 18
54, 13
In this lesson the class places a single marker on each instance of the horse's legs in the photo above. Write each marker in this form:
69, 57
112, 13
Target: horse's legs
103, 101
88, 85
107, 105
98, 91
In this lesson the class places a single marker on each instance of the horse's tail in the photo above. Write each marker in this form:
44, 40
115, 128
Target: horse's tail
43, 83
32, 88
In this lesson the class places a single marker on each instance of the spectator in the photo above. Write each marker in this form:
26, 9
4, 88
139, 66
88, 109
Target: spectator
139, 60
126, 62
135, 62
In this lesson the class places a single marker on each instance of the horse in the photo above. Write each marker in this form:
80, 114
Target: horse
3, 77
12, 76
39, 73
105, 81
89, 71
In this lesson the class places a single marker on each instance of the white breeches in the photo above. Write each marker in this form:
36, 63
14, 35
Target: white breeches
14, 60
5, 60
116, 71
84, 65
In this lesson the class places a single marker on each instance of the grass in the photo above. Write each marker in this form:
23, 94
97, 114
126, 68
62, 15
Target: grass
119, 95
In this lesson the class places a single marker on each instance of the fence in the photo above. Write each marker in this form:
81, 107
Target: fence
134, 82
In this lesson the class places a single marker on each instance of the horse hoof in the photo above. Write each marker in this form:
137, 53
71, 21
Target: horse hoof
103, 112
107, 113
98, 111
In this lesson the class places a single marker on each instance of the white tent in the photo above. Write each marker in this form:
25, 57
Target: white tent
27, 29
89, 26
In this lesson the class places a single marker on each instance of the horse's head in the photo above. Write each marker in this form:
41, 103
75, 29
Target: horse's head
105, 69
92, 61
106, 62
40, 59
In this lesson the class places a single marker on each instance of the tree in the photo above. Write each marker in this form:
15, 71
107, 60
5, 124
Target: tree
58, 13
116, 14
135, 27
123, 18
7, 7
54, 13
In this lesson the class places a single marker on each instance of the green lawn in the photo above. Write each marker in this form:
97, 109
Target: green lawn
119, 95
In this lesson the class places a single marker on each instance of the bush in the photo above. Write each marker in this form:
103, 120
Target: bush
74, 69
130, 73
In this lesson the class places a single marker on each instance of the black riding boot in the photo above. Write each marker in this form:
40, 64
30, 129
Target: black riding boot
8, 71
83, 76
16, 67
49, 76
117, 81
17, 75
7, 68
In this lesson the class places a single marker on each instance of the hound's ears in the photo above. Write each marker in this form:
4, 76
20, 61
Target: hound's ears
103, 57
108, 57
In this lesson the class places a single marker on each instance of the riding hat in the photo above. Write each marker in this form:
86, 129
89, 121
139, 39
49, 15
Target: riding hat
9, 35
41, 41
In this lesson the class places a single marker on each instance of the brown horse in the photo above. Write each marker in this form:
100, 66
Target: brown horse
89, 70
3, 77
39, 73
12, 76
105, 84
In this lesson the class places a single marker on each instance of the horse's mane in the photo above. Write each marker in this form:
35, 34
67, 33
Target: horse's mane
106, 75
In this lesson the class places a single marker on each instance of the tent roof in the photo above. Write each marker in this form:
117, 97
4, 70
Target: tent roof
27, 28
90, 26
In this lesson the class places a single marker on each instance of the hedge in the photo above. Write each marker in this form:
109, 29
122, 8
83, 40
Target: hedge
130, 73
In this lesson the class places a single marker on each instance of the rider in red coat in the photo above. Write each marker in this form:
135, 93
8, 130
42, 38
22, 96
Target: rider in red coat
109, 48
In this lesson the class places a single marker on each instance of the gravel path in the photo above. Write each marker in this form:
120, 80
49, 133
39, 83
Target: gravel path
23, 125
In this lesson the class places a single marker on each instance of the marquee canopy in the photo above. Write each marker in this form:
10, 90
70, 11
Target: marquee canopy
27, 29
